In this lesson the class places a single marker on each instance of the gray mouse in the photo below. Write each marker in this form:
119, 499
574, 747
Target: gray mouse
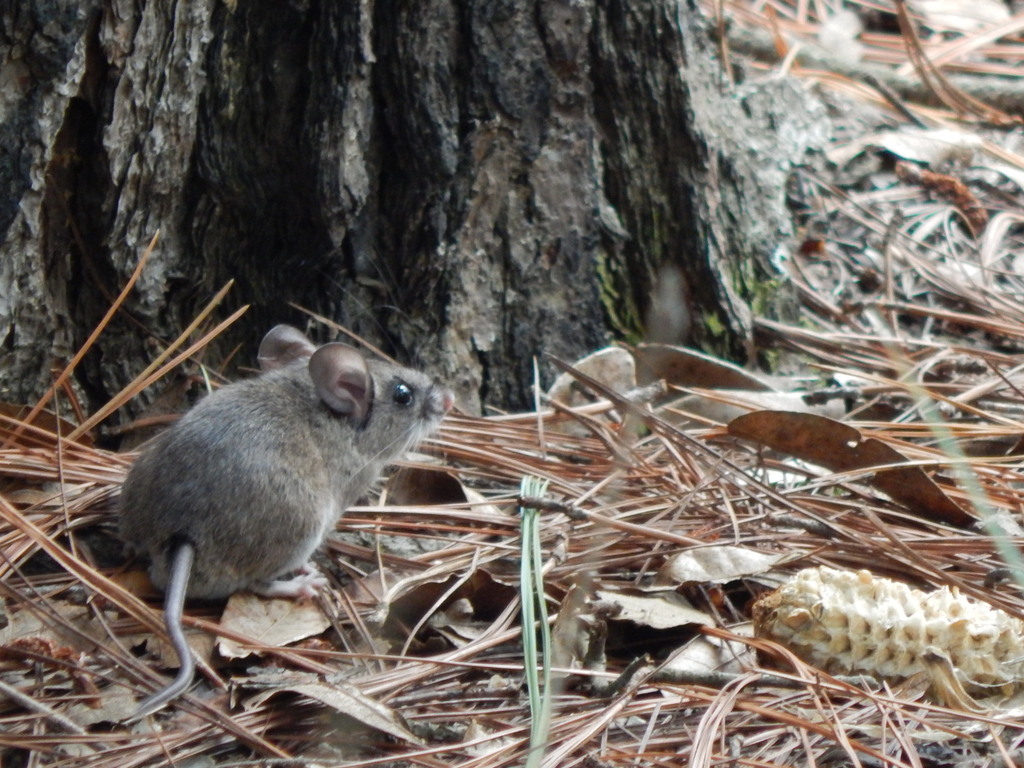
241, 491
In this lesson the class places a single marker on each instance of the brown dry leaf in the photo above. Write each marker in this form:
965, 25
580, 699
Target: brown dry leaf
718, 564
136, 581
273, 622
421, 486
171, 401
411, 486
842, 448
343, 697
689, 368
27, 497
370, 590
44, 421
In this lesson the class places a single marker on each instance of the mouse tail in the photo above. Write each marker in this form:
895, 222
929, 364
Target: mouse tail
182, 556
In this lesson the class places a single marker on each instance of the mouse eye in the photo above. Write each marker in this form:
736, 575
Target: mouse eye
401, 393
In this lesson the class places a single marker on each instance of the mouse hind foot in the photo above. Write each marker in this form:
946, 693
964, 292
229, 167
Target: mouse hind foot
304, 584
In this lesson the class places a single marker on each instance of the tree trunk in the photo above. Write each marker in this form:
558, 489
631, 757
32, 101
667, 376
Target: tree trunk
469, 184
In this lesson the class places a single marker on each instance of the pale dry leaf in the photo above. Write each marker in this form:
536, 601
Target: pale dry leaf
838, 34
611, 366
573, 636
272, 622
25, 497
658, 610
717, 564
78, 751
201, 643
82, 634
1011, 172
995, 249
116, 706
482, 741
704, 654
913, 689
722, 406
335, 693
481, 503
961, 16
457, 624
931, 147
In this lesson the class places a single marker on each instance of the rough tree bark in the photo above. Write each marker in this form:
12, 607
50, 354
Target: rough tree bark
470, 183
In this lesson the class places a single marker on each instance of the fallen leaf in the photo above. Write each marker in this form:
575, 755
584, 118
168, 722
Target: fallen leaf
577, 637
200, 642
137, 582
481, 741
402, 600
689, 368
43, 421
842, 448
704, 654
717, 564
272, 622
116, 706
658, 610
416, 486
930, 147
69, 626
612, 366
960, 16
1013, 173
838, 34
722, 406
455, 621
335, 693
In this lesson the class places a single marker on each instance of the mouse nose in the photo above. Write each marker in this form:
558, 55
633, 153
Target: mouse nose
447, 400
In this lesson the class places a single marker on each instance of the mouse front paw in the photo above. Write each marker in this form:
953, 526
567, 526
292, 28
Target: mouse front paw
305, 584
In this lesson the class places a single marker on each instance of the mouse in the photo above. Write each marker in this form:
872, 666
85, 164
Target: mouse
239, 493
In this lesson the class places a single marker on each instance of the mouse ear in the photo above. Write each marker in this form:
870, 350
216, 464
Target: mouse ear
342, 379
283, 344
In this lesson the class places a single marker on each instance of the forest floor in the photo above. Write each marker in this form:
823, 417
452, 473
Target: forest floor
888, 471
